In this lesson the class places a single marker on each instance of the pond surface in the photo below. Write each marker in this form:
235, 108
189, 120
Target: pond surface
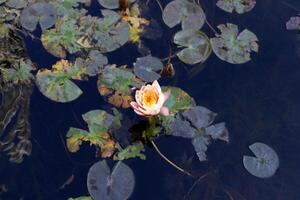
258, 100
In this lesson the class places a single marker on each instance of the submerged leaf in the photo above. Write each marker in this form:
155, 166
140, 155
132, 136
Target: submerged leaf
42, 13
197, 45
232, 46
17, 4
240, 6
178, 100
146, 68
266, 162
188, 13
115, 185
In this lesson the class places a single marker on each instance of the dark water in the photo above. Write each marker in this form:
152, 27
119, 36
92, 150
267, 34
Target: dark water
259, 101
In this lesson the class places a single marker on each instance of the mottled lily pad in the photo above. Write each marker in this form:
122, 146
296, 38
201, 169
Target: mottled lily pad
178, 100
100, 123
197, 45
266, 162
232, 46
293, 23
240, 6
42, 13
131, 151
56, 84
63, 37
115, 185
146, 68
189, 14
115, 85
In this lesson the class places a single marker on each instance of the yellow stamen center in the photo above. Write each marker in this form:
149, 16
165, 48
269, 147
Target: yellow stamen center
150, 98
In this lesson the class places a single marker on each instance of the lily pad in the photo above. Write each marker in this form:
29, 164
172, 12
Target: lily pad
115, 85
197, 45
17, 4
42, 13
95, 63
178, 100
63, 37
56, 84
232, 46
146, 68
106, 185
266, 162
110, 32
293, 23
199, 116
240, 6
100, 123
131, 151
189, 14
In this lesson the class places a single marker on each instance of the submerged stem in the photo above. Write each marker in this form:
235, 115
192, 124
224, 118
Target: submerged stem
170, 162
160, 6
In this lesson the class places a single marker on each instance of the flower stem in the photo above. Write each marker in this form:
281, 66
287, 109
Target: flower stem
170, 162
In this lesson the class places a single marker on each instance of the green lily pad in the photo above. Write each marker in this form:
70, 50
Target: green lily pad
189, 14
240, 6
232, 46
266, 162
146, 68
100, 123
56, 84
178, 100
197, 45
63, 37
115, 185
42, 13
131, 151
110, 33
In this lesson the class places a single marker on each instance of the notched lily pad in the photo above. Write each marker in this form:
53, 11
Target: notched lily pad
197, 45
56, 84
115, 185
178, 100
42, 13
146, 68
190, 15
232, 46
240, 6
266, 162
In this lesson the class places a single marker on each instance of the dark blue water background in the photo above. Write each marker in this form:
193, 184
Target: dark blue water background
259, 101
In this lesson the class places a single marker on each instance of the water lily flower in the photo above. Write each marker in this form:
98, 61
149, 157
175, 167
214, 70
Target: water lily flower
149, 100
